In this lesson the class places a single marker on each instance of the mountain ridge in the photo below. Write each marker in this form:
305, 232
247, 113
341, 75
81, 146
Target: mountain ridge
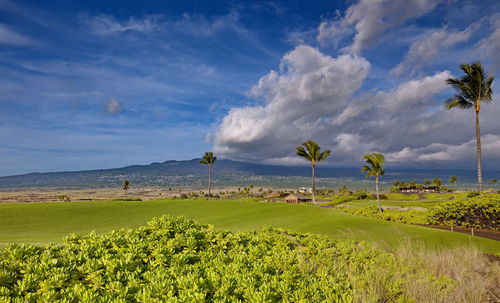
226, 172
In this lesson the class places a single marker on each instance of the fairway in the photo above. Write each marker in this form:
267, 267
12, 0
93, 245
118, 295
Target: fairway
42, 223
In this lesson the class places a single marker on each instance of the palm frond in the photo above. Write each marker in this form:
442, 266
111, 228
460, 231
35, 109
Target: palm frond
311, 151
472, 89
375, 165
208, 158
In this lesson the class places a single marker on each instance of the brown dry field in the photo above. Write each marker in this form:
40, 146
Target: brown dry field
28, 195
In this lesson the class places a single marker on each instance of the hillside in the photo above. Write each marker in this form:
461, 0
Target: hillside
226, 173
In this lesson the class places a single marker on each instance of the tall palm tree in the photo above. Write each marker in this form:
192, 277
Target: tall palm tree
209, 159
375, 168
472, 89
311, 151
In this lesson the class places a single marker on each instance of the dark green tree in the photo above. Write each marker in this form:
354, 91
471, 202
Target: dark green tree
125, 185
472, 90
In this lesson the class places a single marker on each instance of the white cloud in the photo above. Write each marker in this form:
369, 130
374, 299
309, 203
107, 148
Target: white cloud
371, 19
11, 37
313, 96
490, 46
425, 49
114, 106
447, 152
104, 25
308, 88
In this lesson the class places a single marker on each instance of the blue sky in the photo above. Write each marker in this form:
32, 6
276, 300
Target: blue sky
100, 84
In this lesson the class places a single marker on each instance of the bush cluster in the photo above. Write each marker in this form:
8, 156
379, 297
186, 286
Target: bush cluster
178, 260
409, 216
478, 212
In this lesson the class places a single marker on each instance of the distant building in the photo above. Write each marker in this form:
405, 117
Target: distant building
304, 190
420, 189
297, 198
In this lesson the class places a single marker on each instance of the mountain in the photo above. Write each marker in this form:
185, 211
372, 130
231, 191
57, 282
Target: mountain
226, 172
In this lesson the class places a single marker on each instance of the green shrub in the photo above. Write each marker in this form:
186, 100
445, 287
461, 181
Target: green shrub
409, 216
178, 260
339, 200
361, 194
127, 199
478, 212
472, 194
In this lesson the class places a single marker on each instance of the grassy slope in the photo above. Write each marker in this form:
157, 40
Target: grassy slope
40, 223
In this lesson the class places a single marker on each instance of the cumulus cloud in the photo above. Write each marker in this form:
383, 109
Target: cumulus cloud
314, 96
447, 152
309, 87
423, 50
11, 37
104, 25
371, 19
114, 106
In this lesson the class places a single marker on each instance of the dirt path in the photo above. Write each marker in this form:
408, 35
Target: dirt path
488, 234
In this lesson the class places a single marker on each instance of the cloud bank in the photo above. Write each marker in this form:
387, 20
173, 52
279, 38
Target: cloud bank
315, 96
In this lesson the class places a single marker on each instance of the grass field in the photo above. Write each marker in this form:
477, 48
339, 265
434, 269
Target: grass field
42, 223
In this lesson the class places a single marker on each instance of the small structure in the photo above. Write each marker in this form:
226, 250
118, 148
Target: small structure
297, 198
305, 190
419, 189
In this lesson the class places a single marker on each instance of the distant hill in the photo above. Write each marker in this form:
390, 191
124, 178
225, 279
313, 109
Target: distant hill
226, 172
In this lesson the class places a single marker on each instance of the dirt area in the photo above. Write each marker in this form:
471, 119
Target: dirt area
55, 195
147, 193
489, 234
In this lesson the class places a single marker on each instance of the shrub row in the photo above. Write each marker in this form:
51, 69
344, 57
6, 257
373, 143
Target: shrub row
410, 216
479, 212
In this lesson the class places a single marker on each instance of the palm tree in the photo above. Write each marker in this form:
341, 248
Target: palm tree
471, 90
375, 169
209, 159
453, 179
437, 182
312, 153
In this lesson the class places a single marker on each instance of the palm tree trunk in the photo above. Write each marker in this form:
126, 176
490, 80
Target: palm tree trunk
478, 145
313, 185
378, 196
209, 181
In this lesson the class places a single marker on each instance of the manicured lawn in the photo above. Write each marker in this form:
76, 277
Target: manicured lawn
41, 223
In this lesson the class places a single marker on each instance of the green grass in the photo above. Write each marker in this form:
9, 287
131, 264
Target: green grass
41, 223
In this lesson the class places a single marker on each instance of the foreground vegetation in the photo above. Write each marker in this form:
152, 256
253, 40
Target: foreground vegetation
178, 260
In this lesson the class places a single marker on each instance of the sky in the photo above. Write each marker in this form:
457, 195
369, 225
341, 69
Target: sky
102, 84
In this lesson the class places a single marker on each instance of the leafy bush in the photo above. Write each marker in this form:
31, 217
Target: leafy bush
362, 194
339, 200
178, 260
479, 212
473, 194
409, 216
